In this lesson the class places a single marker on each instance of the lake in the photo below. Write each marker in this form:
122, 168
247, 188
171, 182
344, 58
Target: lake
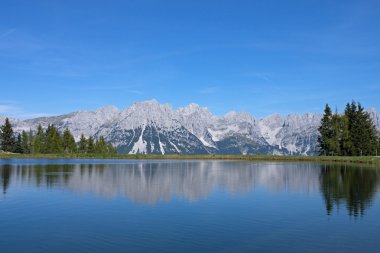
187, 206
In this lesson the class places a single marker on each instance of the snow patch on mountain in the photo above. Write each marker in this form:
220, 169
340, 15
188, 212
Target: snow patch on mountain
140, 146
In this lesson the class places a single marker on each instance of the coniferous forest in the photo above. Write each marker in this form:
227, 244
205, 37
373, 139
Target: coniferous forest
352, 133
50, 141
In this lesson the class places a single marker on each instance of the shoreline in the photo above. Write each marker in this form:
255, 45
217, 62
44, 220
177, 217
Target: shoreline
338, 159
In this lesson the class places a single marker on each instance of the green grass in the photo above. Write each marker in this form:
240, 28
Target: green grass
339, 159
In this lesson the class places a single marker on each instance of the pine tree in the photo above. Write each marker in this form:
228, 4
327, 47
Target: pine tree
362, 130
336, 137
82, 146
350, 113
53, 142
31, 141
111, 149
90, 145
18, 145
39, 141
326, 132
353, 133
366, 141
7, 139
101, 146
69, 145
57, 141
345, 144
25, 144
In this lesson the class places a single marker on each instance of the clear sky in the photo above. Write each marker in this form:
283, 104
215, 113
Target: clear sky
262, 57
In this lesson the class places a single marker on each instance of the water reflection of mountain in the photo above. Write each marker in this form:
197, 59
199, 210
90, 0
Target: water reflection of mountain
151, 182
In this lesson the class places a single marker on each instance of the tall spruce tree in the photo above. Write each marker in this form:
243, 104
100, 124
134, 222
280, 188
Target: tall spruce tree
69, 145
39, 141
351, 112
362, 131
345, 141
90, 145
18, 145
100, 146
336, 137
31, 140
25, 144
7, 138
366, 139
82, 145
325, 141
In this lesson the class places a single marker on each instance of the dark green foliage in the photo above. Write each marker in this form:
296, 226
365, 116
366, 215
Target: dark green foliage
335, 144
100, 145
326, 132
7, 139
25, 144
53, 141
18, 145
364, 134
90, 145
31, 141
345, 141
340, 139
38, 141
111, 149
350, 134
69, 145
362, 131
50, 141
82, 146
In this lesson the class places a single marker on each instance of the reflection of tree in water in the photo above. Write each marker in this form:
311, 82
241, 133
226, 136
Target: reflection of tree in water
40, 175
57, 174
5, 173
353, 186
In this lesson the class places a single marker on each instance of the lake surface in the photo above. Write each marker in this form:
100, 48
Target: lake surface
187, 206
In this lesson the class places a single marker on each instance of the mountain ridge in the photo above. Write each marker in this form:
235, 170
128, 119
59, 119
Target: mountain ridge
153, 128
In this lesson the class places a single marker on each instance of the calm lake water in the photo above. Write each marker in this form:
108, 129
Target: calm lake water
187, 206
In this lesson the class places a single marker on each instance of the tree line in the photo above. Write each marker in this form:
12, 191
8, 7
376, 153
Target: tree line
352, 133
50, 141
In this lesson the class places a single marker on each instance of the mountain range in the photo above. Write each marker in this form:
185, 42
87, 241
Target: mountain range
152, 128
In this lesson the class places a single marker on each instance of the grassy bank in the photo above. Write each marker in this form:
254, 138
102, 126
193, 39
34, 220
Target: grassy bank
340, 159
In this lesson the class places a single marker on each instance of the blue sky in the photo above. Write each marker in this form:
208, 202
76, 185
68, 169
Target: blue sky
262, 57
